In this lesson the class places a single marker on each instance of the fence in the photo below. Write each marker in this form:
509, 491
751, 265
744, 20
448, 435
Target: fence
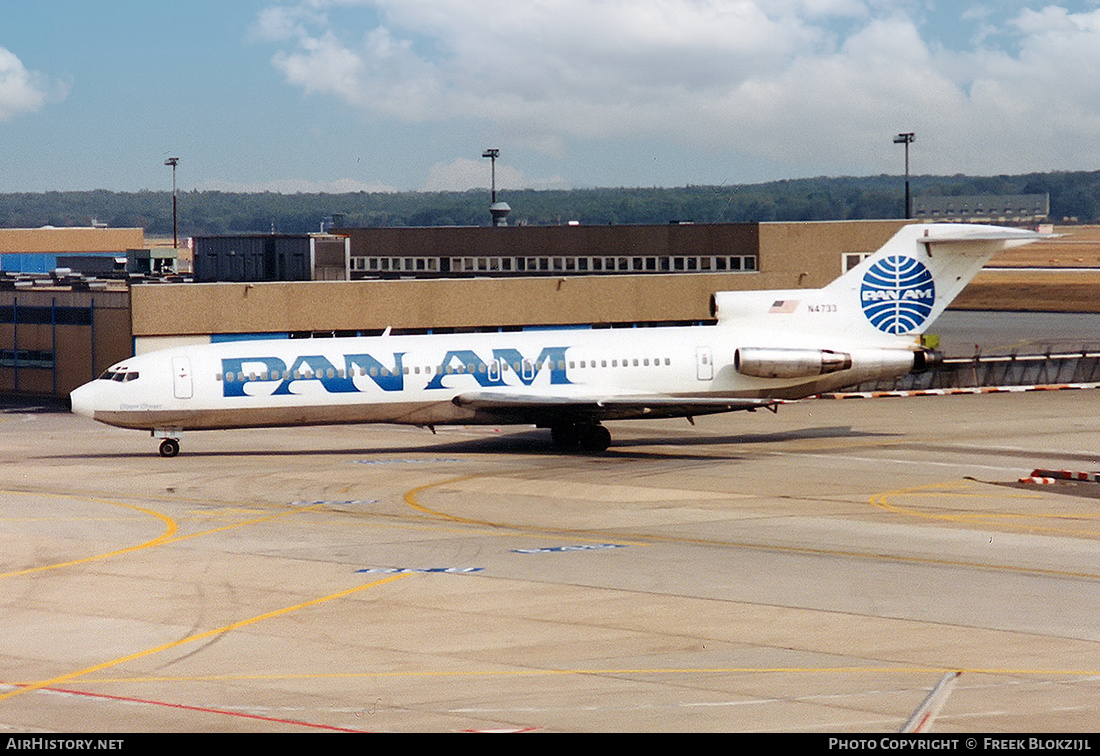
999, 370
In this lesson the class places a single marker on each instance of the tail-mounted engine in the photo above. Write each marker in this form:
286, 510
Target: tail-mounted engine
763, 362
926, 359
789, 363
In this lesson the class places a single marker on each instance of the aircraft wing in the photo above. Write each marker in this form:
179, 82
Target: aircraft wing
543, 407
926, 713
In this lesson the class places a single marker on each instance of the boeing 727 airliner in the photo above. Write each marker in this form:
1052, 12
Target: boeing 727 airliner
766, 346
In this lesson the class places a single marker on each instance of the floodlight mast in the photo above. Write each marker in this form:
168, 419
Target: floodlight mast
906, 139
174, 161
498, 210
492, 155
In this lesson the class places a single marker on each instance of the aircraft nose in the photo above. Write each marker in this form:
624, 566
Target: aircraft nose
82, 400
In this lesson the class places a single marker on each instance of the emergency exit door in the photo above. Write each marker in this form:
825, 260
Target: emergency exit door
704, 364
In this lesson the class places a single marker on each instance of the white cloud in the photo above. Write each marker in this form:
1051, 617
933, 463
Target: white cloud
23, 91
809, 85
1042, 102
576, 67
323, 65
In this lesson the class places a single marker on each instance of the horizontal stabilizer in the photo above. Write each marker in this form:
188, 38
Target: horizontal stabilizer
952, 233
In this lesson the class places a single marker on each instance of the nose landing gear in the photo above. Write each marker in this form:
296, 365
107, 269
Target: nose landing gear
169, 447
170, 441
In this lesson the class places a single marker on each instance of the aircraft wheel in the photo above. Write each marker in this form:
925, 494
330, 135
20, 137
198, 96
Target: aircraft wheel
169, 447
565, 436
595, 438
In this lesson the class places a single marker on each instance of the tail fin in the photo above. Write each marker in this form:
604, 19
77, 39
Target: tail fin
891, 296
912, 279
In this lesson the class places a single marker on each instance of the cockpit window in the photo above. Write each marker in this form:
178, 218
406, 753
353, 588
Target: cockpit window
120, 376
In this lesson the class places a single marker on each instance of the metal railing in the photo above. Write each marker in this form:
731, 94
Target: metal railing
998, 370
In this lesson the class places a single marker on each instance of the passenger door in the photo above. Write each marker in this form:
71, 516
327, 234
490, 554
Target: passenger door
181, 377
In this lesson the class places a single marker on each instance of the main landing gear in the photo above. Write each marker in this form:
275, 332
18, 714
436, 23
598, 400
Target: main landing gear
588, 437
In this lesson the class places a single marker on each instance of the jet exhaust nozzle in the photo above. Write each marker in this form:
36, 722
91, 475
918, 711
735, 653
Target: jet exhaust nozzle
926, 359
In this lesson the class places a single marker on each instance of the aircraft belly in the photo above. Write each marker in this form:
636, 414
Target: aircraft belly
410, 413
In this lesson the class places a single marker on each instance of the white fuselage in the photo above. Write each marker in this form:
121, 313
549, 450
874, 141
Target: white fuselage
416, 379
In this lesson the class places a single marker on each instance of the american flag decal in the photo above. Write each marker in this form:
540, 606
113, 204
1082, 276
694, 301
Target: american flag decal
784, 305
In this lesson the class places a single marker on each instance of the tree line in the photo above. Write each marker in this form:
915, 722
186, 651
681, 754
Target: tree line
1074, 198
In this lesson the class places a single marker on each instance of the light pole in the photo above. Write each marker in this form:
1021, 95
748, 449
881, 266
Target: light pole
492, 155
174, 161
498, 210
906, 139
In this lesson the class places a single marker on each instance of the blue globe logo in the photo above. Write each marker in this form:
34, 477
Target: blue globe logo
898, 294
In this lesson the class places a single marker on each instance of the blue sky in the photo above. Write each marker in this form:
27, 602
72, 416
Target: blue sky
339, 95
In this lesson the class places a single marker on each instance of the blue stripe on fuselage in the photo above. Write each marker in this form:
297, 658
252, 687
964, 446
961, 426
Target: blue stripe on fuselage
315, 367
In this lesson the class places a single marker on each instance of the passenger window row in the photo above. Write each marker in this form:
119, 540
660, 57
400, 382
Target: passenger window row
374, 372
307, 375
